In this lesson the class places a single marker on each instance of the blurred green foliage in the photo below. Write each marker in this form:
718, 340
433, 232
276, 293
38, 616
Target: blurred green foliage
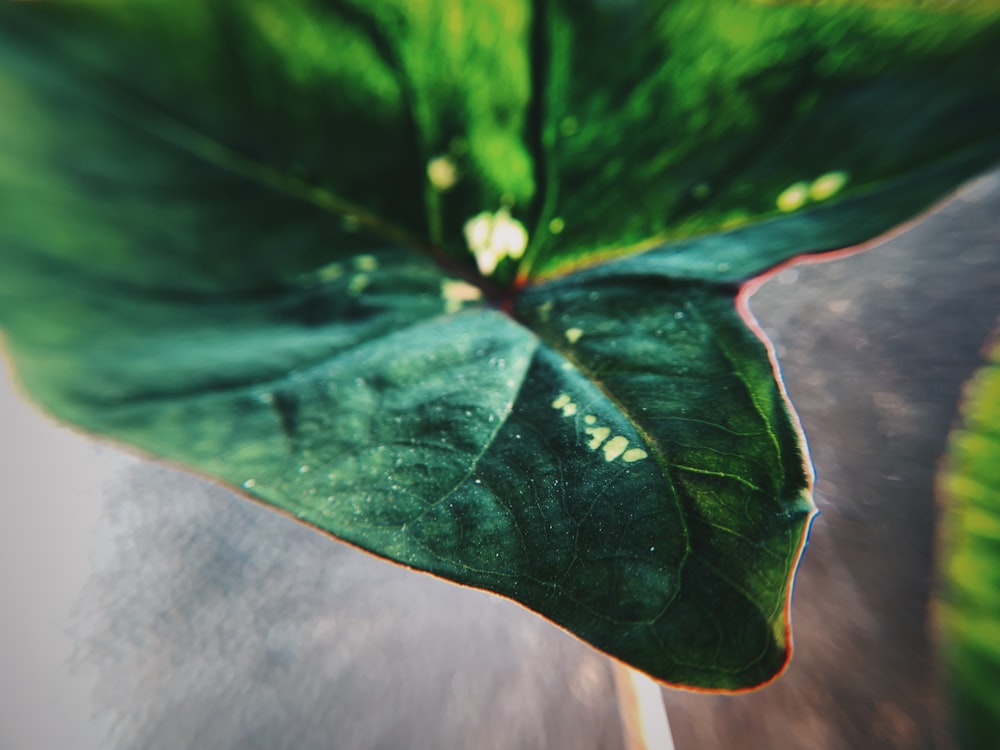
970, 610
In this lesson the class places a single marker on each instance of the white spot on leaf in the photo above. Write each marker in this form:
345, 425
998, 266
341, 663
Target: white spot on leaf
493, 237
457, 293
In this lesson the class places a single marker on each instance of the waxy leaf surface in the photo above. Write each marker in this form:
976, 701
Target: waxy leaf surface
237, 235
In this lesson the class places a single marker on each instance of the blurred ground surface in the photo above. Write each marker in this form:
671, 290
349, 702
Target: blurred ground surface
145, 609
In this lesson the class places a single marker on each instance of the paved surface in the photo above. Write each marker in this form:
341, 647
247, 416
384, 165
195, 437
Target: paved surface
143, 608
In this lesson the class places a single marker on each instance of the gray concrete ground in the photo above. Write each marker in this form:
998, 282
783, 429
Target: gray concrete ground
146, 609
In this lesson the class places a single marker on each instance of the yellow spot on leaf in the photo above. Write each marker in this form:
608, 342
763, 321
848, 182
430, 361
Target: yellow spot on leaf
634, 454
793, 197
569, 410
734, 219
358, 284
615, 447
590, 419
330, 272
557, 225
573, 334
366, 263
442, 173
560, 402
598, 435
827, 185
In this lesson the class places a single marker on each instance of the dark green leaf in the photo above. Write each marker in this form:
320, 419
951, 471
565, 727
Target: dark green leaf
970, 614
234, 234
814, 125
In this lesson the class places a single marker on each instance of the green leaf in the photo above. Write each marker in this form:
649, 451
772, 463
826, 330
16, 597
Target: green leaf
237, 236
970, 611
786, 127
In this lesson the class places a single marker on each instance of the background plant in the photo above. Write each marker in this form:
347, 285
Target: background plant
970, 611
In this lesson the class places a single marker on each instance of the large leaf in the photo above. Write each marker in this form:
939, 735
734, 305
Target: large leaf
236, 235
970, 612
